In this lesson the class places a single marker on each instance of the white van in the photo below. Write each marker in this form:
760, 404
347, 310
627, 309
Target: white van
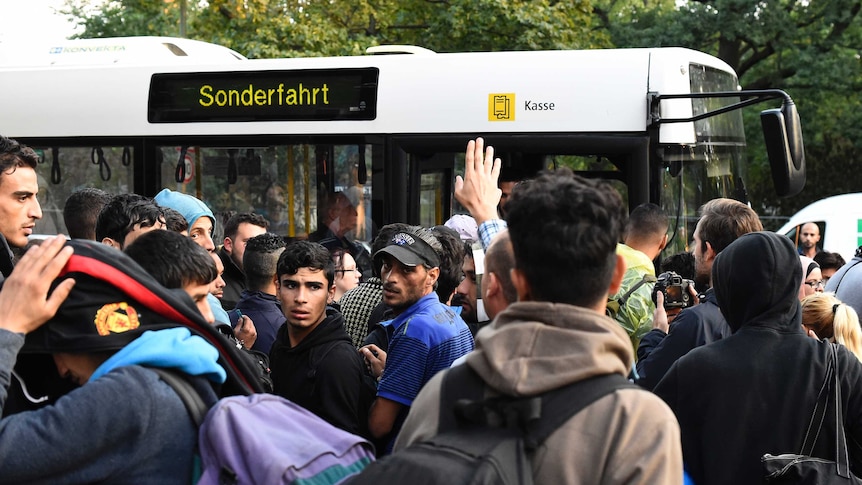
840, 221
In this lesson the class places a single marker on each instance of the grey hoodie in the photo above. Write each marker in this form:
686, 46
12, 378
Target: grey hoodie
628, 436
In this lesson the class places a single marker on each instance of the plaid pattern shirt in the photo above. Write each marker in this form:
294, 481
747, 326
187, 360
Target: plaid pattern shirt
356, 306
489, 229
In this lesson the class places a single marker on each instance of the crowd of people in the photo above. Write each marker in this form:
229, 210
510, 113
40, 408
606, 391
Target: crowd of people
561, 290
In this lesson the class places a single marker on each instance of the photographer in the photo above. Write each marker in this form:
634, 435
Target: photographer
722, 221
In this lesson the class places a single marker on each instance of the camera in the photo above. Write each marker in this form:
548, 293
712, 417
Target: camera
675, 290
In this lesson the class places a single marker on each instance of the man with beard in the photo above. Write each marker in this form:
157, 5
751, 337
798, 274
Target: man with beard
467, 292
722, 221
237, 231
425, 336
809, 236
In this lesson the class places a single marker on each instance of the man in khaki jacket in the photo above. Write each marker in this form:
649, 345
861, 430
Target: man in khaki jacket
564, 231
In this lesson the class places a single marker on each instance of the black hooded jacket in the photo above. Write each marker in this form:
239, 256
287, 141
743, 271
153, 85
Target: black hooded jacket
754, 392
234, 280
324, 374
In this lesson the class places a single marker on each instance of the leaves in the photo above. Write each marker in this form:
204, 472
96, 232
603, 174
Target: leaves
810, 49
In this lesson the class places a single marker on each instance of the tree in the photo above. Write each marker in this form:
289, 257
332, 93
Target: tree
301, 28
809, 49
124, 18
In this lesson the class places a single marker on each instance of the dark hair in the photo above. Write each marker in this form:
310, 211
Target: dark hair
337, 255
680, 263
468, 248
451, 255
261, 259
723, 221
385, 233
14, 155
232, 225
81, 211
120, 215
175, 221
645, 221
172, 259
499, 260
828, 260
305, 254
564, 230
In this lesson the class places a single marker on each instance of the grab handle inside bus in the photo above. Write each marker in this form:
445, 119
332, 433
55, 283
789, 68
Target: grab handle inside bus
180, 172
97, 157
55, 165
362, 170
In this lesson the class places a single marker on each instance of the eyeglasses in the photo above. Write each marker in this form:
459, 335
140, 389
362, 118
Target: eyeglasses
816, 283
354, 270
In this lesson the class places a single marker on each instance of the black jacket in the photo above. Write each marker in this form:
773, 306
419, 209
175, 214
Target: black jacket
234, 280
324, 374
754, 392
693, 327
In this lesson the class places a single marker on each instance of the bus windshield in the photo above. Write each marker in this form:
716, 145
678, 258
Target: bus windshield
713, 167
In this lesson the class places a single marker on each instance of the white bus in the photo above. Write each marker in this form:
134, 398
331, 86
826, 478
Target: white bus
278, 136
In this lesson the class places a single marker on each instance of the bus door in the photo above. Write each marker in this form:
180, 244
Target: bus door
435, 180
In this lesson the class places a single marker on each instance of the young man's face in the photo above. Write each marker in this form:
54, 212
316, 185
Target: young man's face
199, 296
218, 284
78, 368
466, 292
201, 233
405, 285
303, 298
19, 208
506, 192
236, 246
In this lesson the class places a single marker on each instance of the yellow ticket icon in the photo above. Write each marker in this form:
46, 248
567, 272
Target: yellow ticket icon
501, 107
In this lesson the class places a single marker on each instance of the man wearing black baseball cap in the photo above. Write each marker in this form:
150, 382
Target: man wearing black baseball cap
425, 337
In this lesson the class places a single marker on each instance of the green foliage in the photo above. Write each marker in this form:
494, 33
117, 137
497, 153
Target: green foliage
124, 18
302, 28
808, 48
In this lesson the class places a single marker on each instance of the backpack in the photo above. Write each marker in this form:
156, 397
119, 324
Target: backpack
486, 440
614, 306
266, 439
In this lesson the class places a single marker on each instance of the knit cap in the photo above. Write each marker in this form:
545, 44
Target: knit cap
190, 207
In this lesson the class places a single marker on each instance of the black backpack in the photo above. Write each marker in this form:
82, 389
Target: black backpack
486, 440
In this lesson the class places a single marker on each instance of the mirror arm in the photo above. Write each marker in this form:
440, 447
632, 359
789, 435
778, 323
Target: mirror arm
756, 96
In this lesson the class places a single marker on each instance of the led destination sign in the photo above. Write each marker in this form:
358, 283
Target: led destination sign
299, 95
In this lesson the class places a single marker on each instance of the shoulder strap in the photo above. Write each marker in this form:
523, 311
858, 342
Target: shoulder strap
461, 384
647, 278
559, 405
188, 395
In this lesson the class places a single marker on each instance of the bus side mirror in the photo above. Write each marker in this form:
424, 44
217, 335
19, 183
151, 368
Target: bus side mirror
782, 132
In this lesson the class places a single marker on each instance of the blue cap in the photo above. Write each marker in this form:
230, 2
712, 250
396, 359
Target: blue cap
190, 207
